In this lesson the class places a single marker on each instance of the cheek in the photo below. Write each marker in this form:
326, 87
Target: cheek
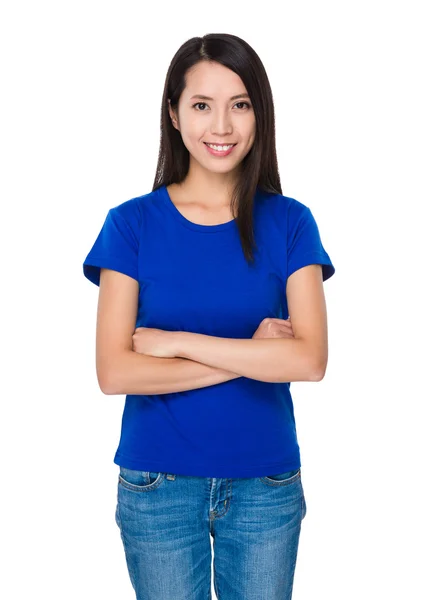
192, 134
191, 125
252, 129
252, 134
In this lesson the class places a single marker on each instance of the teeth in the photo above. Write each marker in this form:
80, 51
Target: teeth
220, 148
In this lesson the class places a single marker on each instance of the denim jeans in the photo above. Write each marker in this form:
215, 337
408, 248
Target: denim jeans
166, 522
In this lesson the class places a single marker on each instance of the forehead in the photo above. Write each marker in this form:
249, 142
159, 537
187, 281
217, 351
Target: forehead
213, 79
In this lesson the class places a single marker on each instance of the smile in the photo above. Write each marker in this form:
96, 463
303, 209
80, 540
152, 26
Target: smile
217, 150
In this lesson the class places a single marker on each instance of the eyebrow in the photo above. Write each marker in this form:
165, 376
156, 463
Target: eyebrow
209, 98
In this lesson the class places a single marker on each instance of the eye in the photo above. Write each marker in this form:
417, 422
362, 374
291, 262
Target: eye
198, 103
204, 104
247, 104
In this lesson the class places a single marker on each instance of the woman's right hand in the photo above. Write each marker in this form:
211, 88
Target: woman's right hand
274, 328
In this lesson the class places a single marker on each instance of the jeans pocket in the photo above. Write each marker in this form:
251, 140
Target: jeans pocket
140, 481
282, 478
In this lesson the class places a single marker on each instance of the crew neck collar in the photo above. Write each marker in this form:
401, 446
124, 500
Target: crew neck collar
195, 226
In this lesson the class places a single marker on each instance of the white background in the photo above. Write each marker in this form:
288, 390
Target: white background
80, 119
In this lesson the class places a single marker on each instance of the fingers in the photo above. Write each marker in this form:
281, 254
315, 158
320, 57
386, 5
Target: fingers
275, 319
281, 321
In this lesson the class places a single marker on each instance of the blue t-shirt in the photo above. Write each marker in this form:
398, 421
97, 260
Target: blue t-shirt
195, 278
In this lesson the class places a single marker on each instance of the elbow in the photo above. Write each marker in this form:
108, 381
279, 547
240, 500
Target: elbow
106, 387
106, 382
318, 371
112, 374
111, 370
317, 375
108, 391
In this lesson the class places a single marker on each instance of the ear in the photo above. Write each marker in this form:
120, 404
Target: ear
173, 116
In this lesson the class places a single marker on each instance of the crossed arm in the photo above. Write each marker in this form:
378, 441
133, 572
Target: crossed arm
271, 360
198, 360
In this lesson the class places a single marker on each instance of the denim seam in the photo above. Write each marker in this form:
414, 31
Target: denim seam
145, 488
278, 483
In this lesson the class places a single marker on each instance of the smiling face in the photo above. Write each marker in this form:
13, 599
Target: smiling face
221, 119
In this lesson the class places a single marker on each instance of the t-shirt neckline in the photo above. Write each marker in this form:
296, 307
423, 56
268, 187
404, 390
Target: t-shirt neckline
196, 226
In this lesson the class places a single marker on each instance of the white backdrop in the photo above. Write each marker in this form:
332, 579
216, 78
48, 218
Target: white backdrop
80, 117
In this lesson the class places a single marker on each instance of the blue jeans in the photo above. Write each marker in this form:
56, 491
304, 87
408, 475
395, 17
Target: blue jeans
166, 521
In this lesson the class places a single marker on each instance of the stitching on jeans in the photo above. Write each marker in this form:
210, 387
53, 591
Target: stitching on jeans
276, 483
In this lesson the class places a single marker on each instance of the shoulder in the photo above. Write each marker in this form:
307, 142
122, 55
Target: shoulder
285, 208
131, 210
293, 207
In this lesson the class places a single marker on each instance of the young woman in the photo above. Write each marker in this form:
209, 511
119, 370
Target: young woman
197, 279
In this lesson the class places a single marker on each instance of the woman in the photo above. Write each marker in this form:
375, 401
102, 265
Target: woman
196, 280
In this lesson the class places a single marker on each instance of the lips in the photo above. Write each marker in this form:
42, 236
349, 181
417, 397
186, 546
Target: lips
220, 153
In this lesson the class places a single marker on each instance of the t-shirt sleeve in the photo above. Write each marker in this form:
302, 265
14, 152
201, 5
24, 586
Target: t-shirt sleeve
116, 248
304, 243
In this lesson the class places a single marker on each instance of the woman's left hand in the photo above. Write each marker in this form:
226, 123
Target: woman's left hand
154, 342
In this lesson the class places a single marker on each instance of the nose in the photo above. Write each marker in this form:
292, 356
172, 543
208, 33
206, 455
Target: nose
221, 124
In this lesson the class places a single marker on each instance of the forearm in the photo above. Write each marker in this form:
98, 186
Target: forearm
136, 373
273, 360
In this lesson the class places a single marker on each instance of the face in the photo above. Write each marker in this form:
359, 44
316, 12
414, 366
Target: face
217, 121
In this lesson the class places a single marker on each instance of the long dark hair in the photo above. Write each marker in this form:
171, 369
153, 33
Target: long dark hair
259, 167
